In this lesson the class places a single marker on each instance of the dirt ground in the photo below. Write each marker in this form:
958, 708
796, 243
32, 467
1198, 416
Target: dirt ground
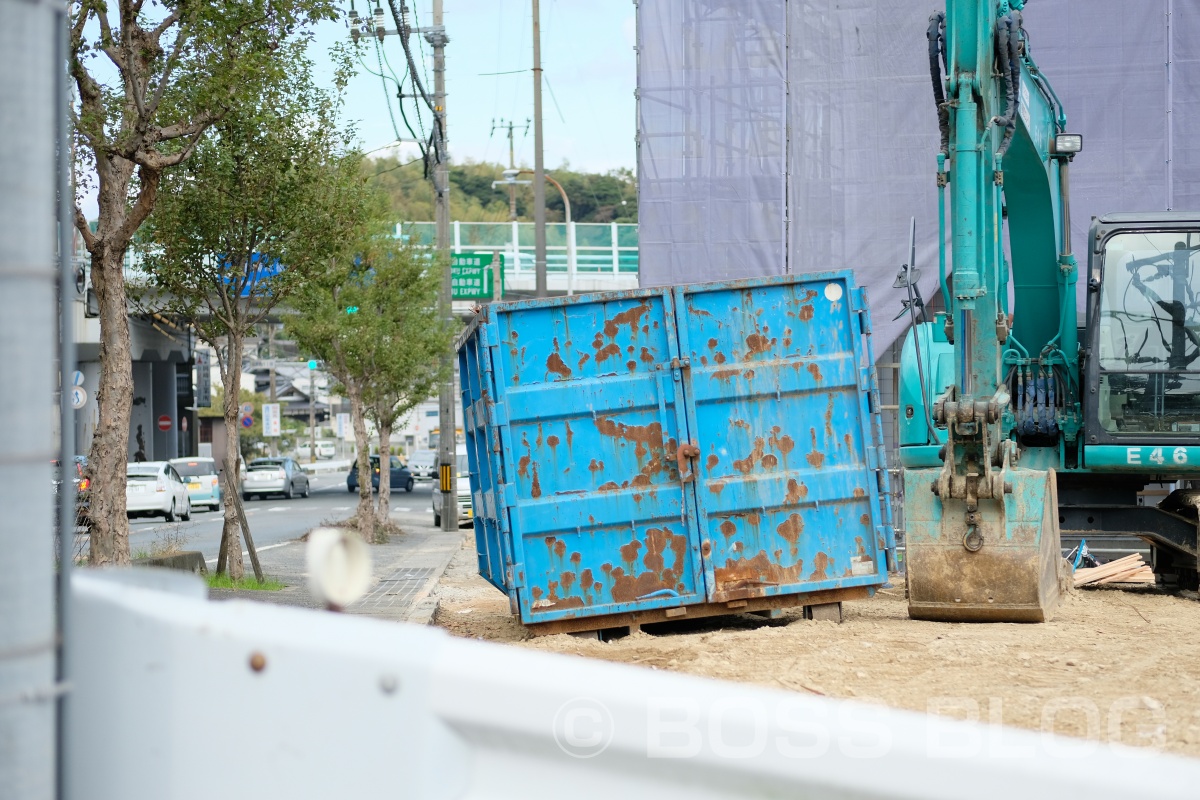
1114, 665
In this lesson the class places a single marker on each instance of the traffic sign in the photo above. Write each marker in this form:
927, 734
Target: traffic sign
247, 409
164, 423
471, 275
271, 423
344, 429
79, 396
77, 378
247, 422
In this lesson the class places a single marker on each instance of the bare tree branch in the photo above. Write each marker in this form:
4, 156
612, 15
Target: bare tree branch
169, 66
81, 224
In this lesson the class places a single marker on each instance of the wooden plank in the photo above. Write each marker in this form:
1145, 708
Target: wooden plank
1083, 577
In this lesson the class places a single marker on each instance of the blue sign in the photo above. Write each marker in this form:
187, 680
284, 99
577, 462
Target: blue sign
247, 422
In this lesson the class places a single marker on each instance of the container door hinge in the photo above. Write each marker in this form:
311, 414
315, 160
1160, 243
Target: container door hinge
508, 497
515, 575
499, 413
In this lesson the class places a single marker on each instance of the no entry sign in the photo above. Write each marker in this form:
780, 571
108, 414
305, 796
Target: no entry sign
164, 423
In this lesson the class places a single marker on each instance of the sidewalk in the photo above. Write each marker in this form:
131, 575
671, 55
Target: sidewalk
404, 573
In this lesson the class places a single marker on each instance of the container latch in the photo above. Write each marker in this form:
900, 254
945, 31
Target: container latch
687, 450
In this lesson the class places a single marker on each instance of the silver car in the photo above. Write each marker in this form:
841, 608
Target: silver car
266, 476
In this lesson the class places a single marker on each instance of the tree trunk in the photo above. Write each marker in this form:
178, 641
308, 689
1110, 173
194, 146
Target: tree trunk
366, 510
114, 398
231, 535
385, 463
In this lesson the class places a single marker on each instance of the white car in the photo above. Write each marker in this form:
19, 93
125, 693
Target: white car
326, 449
154, 488
463, 491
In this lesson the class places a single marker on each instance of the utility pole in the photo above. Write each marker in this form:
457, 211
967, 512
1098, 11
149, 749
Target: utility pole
539, 168
435, 35
512, 163
446, 439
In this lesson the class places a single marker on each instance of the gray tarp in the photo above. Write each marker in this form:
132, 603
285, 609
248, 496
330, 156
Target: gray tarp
781, 136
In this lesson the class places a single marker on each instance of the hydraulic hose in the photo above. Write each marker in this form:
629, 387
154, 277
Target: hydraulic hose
936, 34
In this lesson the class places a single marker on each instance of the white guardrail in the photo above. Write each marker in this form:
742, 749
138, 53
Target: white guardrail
173, 695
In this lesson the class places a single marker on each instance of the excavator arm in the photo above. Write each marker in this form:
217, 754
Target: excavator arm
982, 529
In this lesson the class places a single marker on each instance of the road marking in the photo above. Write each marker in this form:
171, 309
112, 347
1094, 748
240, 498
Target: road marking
257, 549
405, 510
277, 508
340, 508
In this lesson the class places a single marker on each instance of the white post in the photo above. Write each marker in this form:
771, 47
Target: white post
570, 255
457, 237
516, 246
616, 255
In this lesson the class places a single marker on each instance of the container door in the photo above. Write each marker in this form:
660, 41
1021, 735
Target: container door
492, 541
778, 400
592, 416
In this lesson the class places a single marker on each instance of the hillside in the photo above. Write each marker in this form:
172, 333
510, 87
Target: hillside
610, 197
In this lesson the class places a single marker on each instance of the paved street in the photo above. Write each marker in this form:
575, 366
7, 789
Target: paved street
275, 521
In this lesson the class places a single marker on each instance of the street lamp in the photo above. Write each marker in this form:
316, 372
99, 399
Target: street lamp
510, 179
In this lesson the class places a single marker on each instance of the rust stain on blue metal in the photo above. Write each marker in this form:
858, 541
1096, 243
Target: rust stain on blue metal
589, 455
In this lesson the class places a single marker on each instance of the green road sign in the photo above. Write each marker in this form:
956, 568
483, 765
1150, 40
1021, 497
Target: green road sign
471, 275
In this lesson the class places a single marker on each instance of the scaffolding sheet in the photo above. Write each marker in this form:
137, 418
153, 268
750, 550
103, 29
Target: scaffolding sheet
780, 136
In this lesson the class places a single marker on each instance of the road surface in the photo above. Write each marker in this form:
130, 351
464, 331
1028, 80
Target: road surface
276, 521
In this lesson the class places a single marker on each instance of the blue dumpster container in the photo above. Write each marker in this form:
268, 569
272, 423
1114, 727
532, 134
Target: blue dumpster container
677, 452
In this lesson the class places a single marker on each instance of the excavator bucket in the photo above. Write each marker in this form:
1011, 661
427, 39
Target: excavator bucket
1013, 576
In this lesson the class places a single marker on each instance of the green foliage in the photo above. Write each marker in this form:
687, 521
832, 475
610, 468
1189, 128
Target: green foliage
594, 197
181, 66
391, 345
260, 205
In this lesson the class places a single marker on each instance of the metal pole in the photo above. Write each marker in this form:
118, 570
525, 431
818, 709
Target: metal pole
67, 365
539, 167
312, 416
274, 440
512, 164
28, 337
570, 235
447, 479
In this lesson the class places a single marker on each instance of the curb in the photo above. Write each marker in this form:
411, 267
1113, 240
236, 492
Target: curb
425, 605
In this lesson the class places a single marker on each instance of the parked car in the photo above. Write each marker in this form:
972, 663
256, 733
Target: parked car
462, 490
154, 488
423, 465
82, 486
325, 449
200, 475
401, 477
266, 476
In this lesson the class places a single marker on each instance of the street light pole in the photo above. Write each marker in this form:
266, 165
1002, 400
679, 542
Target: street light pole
539, 168
510, 180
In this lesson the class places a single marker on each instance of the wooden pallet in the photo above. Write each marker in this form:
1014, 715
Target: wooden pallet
633, 620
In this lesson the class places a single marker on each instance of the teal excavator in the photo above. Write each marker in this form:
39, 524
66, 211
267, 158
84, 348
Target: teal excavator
1017, 425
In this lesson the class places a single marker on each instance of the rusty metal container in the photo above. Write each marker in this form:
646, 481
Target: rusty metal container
677, 452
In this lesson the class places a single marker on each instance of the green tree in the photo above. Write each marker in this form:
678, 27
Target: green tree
151, 80
607, 197
259, 207
372, 317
